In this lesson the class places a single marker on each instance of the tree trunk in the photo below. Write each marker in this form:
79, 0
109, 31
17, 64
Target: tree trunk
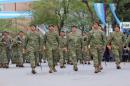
90, 11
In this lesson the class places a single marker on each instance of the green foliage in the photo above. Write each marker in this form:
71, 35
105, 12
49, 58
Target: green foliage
123, 10
45, 12
5, 23
9, 29
73, 12
62, 12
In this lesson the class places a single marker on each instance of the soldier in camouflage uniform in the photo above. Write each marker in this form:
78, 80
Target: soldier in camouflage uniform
86, 50
33, 48
73, 45
79, 49
1, 45
18, 49
41, 50
57, 54
6, 48
3, 57
97, 41
117, 39
63, 49
51, 45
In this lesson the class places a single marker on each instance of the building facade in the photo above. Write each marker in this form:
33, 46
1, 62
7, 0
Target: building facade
15, 6
11, 7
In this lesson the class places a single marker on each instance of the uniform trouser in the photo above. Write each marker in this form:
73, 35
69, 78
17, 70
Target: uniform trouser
51, 57
41, 57
79, 54
32, 59
117, 52
72, 55
37, 58
9, 54
86, 55
45, 55
63, 56
97, 53
3, 57
18, 57
57, 55
67, 57
26, 57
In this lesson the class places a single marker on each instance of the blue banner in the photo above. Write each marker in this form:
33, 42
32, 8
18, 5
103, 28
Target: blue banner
99, 8
9, 15
113, 9
15, 1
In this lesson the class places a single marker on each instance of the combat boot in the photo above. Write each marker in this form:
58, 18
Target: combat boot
81, 62
21, 65
33, 71
38, 64
6, 65
54, 69
118, 66
75, 68
89, 63
44, 61
97, 69
62, 66
1, 65
100, 67
51, 69
17, 65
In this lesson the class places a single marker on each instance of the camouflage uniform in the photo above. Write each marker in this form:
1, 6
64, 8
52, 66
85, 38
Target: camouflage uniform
3, 56
52, 45
117, 39
86, 50
32, 45
97, 42
63, 51
79, 49
73, 45
18, 50
6, 48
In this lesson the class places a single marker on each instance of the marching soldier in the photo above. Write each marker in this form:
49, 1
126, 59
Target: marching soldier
3, 57
33, 48
63, 49
97, 42
51, 45
72, 40
86, 50
117, 39
18, 49
6, 48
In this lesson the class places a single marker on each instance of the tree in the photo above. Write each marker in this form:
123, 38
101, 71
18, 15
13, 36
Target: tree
122, 9
61, 12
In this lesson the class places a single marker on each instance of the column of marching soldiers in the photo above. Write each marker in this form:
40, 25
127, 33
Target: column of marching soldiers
65, 48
